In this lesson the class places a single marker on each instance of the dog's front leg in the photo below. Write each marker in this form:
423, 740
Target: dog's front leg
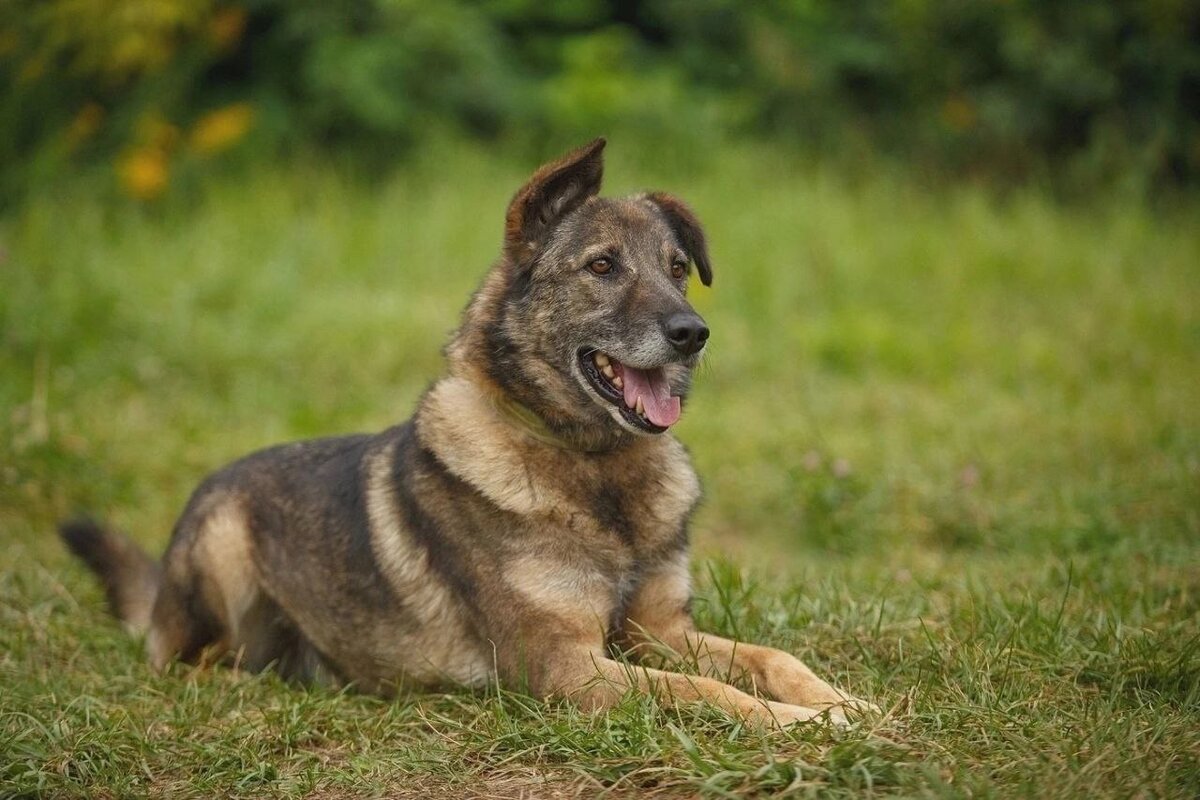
589, 678
659, 616
558, 650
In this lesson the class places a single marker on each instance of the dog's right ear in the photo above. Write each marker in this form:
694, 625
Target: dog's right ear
554, 191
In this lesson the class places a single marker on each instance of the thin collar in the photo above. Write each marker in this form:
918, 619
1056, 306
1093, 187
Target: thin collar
528, 421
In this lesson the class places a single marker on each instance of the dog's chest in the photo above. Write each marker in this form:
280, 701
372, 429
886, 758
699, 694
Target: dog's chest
585, 561
624, 520
628, 532
642, 501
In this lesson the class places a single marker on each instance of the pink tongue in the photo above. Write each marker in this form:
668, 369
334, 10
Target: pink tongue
651, 385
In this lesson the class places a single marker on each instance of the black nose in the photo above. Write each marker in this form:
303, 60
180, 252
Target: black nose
686, 332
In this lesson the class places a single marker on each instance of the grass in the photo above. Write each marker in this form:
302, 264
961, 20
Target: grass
950, 443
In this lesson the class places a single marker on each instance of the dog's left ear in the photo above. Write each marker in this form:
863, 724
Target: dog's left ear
687, 229
554, 191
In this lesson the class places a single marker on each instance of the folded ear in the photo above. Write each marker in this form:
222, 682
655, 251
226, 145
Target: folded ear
554, 191
687, 229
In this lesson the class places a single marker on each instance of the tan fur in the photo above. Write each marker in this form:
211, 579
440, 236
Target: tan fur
490, 455
584, 596
224, 554
598, 683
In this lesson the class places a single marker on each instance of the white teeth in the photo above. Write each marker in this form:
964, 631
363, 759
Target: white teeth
617, 382
608, 371
641, 408
602, 360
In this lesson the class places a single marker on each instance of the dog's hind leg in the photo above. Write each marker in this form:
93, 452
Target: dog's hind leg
209, 584
212, 602
182, 625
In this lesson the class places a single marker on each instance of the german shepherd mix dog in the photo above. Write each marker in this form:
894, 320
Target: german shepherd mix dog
527, 522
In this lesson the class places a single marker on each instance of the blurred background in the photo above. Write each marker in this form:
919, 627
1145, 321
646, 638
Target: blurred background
1089, 91
955, 243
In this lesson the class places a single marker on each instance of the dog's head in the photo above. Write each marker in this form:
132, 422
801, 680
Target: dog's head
585, 319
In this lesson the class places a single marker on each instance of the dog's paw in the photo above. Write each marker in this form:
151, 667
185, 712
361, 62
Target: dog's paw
846, 711
857, 707
783, 715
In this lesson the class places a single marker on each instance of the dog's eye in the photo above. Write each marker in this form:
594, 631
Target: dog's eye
601, 266
678, 270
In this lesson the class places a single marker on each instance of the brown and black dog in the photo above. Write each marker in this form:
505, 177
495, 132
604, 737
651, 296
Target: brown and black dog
527, 521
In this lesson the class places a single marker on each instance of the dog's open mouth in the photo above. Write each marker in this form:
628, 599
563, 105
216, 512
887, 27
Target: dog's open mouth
642, 395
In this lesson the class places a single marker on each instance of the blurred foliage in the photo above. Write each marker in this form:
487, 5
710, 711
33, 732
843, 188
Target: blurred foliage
1090, 90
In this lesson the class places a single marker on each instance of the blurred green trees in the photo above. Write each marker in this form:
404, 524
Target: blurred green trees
1088, 88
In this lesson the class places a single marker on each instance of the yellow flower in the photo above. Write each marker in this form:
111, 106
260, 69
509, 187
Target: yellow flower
221, 129
144, 172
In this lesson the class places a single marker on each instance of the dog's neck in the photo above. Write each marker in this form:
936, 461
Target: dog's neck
493, 451
527, 420
568, 435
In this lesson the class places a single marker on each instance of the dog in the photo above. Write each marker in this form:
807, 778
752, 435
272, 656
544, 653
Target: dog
528, 524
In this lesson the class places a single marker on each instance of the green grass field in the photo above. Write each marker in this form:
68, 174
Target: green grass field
950, 444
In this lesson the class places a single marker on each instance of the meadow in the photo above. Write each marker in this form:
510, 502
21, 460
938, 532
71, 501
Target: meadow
949, 436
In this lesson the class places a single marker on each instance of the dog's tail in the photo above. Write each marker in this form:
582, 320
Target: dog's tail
130, 576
